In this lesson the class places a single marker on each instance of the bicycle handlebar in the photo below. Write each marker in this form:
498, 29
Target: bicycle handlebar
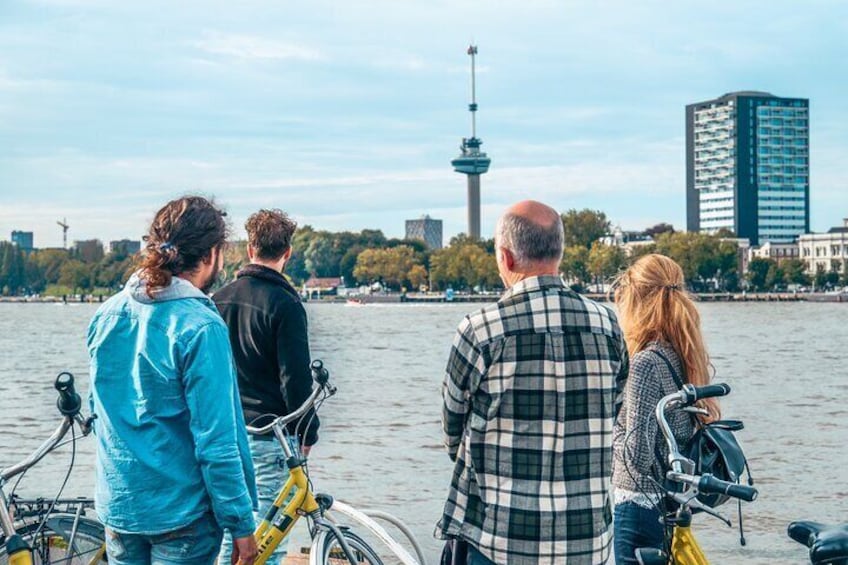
708, 484
69, 402
321, 376
693, 394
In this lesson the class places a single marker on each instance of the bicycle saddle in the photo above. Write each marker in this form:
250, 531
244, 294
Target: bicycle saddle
827, 543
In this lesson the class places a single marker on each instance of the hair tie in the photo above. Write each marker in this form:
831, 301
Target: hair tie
673, 287
166, 246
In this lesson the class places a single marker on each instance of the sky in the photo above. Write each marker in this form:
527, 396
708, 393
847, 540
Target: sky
347, 114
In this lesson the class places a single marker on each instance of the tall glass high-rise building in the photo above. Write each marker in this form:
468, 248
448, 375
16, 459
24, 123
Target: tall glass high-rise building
748, 166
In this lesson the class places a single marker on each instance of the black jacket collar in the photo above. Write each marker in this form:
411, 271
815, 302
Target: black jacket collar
266, 274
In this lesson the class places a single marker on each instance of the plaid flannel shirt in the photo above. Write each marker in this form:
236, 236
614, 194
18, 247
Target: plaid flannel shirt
530, 393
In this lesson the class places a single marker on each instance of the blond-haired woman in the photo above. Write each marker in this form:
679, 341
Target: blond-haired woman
662, 329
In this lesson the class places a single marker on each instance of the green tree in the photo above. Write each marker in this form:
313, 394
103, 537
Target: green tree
418, 276
49, 264
12, 269
758, 271
795, 272
393, 267
348, 263
702, 257
605, 261
775, 277
76, 275
464, 264
575, 264
322, 257
114, 270
584, 227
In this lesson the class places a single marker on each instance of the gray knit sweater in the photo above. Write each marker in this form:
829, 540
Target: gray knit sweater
635, 454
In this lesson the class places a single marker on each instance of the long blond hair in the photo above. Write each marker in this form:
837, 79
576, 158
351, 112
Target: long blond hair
654, 306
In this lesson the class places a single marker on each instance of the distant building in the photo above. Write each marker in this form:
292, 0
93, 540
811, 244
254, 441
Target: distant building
23, 239
629, 241
124, 247
747, 166
826, 251
778, 252
89, 250
426, 229
316, 287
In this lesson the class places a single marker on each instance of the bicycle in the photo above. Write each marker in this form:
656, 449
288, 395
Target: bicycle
684, 548
329, 539
42, 531
81, 539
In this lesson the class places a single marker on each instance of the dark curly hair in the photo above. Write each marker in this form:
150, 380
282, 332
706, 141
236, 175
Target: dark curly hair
270, 233
183, 233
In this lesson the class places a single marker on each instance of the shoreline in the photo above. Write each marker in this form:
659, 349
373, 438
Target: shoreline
421, 298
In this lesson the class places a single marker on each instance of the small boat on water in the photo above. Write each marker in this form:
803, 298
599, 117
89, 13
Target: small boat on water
354, 302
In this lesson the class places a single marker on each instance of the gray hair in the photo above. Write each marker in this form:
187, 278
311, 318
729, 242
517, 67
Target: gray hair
528, 241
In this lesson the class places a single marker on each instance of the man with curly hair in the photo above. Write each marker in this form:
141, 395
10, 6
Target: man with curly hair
268, 334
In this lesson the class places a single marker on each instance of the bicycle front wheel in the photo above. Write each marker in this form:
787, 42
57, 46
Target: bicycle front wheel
50, 546
326, 550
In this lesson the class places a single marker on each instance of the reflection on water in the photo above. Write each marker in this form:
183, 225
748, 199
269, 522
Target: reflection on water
380, 443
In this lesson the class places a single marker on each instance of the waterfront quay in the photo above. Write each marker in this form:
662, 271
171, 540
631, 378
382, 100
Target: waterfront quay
433, 298
438, 297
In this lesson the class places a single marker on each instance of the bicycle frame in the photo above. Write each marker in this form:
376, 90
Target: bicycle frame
279, 521
685, 548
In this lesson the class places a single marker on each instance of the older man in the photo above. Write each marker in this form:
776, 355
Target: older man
530, 393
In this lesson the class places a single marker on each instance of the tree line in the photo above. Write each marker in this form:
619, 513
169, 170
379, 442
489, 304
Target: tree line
61, 271
709, 262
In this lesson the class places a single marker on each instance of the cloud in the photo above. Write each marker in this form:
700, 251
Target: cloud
254, 47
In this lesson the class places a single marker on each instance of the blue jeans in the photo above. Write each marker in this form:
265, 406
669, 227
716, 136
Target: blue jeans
477, 558
635, 527
269, 462
197, 543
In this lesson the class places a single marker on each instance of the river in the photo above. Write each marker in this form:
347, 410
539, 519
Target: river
380, 441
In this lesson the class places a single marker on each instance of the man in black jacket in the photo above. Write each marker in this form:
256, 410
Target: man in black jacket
268, 333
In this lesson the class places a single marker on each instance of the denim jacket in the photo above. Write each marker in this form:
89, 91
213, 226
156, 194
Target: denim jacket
171, 439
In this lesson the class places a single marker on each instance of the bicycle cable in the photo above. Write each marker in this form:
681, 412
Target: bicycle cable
659, 492
64, 483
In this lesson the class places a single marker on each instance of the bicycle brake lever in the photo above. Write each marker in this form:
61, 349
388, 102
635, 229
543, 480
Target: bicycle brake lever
86, 424
695, 503
696, 410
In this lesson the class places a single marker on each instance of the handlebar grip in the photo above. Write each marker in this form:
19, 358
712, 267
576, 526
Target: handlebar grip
319, 373
69, 402
710, 391
708, 484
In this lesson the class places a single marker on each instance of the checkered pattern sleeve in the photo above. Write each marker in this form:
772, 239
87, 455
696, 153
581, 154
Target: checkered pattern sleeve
462, 375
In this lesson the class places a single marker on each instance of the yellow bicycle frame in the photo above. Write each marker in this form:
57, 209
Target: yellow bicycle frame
685, 549
273, 529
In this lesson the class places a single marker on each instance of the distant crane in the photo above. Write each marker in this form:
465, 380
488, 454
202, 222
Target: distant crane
64, 225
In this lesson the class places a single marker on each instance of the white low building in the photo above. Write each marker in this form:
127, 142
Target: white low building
825, 251
778, 252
